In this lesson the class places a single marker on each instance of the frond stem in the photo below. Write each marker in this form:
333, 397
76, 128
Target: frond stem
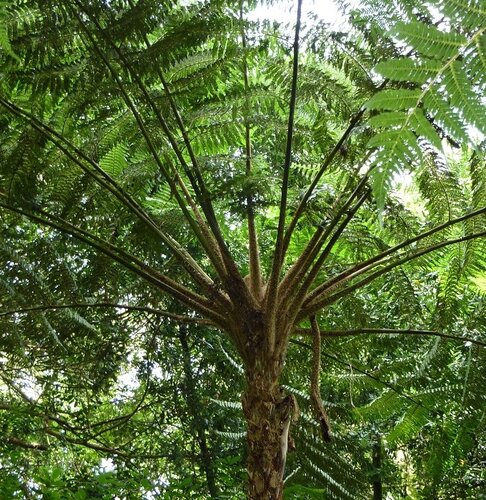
303, 263
194, 224
367, 264
253, 250
196, 181
113, 187
299, 299
329, 159
358, 332
324, 299
278, 257
169, 286
107, 305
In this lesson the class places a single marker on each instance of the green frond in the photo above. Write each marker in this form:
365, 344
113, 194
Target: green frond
396, 149
5, 44
160, 201
384, 406
231, 436
334, 489
416, 121
440, 187
231, 405
402, 144
447, 72
80, 320
478, 179
189, 65
409, 425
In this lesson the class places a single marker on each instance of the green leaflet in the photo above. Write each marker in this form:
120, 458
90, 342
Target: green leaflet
115, 161
463, 97
444, 115
415, 121
430, 41
397, 141
422, 126
471, 13
388, 119
409, 70
397, 148
189, 65
475, 61
4, 35
394, 99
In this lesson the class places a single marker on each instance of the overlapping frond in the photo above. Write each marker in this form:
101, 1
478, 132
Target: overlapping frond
440, 93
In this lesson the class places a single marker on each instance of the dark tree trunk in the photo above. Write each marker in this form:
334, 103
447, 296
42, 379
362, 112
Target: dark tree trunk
268, 412
194, 404
377, 485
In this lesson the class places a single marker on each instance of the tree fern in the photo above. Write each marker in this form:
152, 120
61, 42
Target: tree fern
186, 201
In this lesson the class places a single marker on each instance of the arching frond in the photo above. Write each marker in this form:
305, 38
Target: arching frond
445, 98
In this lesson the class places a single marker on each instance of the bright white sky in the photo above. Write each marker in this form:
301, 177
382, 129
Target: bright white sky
285, 11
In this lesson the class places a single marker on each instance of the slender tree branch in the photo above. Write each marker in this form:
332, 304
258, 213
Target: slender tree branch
111, 185
169, 178
367, 264
253, 250
171, 287
325, 299
278, 257
11, 440
87, 444
358, 332
107, 305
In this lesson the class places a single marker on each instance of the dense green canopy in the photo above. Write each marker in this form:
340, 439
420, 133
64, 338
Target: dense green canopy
187, 194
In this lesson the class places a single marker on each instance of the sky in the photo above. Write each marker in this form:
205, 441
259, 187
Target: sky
324, 9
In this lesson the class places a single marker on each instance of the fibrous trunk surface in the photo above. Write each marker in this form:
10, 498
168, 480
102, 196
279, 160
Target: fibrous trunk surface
268, 412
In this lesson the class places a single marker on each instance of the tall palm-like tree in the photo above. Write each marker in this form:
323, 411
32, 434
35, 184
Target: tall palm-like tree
168, 151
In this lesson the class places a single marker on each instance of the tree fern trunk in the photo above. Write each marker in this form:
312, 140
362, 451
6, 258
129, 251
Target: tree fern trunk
268, 412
